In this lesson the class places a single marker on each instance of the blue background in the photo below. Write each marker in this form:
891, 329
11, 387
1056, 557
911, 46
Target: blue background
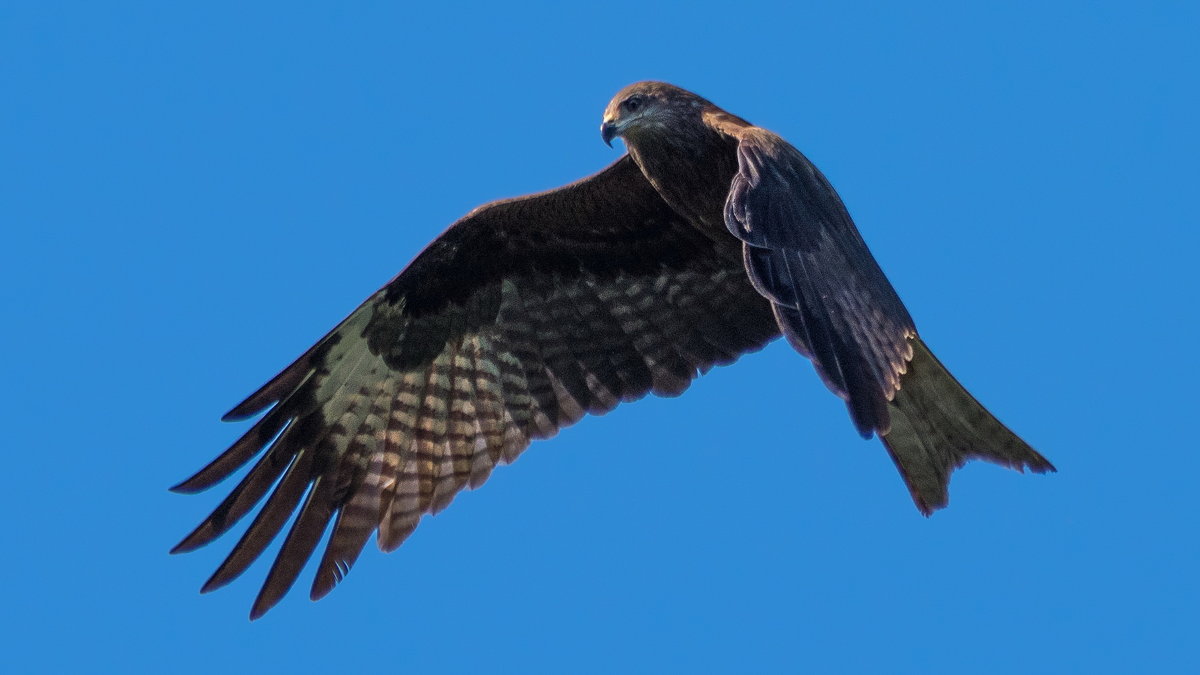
192, 194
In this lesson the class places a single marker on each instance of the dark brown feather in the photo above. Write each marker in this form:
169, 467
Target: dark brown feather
938, 426
803, 253
829, 297
530, 312
520, 318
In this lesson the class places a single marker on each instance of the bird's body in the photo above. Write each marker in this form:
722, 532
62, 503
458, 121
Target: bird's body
711, 238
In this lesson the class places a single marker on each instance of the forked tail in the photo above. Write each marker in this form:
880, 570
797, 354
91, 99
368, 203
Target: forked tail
937, 426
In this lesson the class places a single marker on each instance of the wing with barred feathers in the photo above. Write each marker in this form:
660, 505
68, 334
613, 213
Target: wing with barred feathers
515, 322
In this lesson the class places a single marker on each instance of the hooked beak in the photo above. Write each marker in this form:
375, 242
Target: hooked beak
608, 131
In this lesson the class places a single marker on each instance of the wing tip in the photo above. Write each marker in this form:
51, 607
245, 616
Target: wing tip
259, 610
188, 486
182, 547
269, 596
241, 412
197, 538
324, 584
216, 582
224, 575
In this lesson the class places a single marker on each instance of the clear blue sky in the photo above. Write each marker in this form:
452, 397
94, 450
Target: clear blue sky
191, 196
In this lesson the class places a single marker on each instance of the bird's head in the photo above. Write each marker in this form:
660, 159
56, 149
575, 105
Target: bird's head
645, 106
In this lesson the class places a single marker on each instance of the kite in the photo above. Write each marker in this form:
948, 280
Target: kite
710, 238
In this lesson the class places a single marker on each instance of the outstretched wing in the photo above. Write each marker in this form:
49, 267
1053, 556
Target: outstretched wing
804, 254
516, 321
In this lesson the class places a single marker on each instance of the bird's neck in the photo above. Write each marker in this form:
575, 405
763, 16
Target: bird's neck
691, 167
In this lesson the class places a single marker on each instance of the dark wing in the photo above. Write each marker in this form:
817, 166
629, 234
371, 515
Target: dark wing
804, 254
834, 305
516, 321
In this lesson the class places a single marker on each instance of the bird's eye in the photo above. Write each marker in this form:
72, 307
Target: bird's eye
632, 103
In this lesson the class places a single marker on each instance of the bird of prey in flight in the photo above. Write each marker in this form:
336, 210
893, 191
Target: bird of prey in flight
709, 239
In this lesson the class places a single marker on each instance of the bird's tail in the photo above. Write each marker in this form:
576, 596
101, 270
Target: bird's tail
937, 426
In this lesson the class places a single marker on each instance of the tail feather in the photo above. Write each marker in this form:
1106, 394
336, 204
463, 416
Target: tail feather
937, 426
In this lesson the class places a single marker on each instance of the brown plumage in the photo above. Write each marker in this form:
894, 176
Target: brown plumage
710, 239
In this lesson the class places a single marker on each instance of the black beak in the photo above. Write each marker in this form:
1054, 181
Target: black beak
608, 131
